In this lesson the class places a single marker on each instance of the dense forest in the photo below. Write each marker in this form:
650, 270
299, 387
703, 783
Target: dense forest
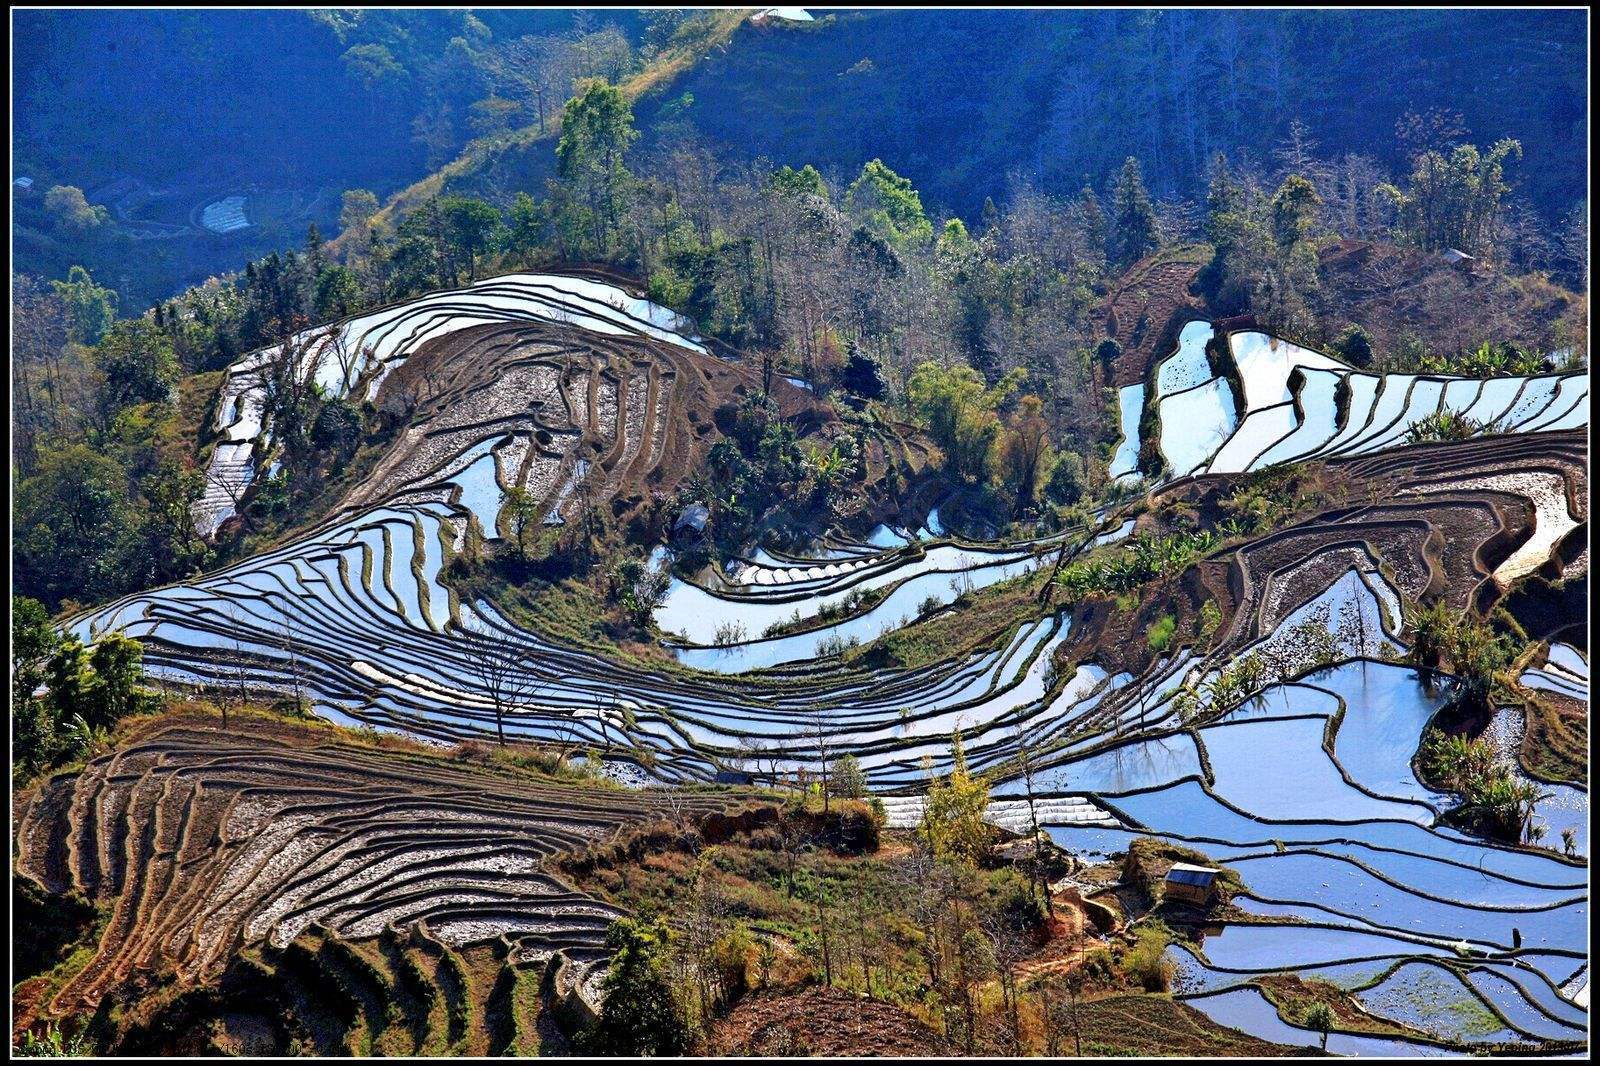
958, 100
300, 106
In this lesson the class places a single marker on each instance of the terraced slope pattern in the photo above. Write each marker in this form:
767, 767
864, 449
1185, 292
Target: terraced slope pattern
204, 841
1307, 789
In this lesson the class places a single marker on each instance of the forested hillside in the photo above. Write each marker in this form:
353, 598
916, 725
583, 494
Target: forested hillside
957, 100
307, 105
141, 119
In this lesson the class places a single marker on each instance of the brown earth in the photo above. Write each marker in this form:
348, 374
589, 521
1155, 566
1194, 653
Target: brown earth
1148, 306
200, 840
1390, 290
1386, 289
1399, 511
641, 414
822, 1021
1152, 1025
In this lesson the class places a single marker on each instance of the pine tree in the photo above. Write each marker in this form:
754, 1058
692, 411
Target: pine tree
1134, 216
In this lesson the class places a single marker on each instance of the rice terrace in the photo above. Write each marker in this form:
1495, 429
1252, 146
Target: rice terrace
800, 532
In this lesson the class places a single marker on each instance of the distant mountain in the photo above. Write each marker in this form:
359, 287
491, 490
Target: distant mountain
158, 114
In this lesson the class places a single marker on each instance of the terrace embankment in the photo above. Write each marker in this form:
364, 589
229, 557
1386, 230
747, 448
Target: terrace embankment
630, 417
311, 855
1437, 521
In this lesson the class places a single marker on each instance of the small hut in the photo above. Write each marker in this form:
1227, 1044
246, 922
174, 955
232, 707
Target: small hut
1190, 883
692, 524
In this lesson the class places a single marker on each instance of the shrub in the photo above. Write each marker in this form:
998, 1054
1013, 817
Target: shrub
1142, 559
836, 644
729, 961
1492, 799
641, 1015
1443, 425
1354, 346
1146, 961
1067, 480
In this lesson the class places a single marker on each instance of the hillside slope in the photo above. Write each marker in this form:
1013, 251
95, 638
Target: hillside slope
955, 100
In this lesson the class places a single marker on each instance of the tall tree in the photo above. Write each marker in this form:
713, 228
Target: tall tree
1133, 216
472, 228
593, 181
889, 205
91, 308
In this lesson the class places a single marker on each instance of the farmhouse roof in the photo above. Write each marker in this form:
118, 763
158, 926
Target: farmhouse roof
1184, 873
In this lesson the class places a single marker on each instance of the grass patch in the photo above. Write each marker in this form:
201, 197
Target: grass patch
1160, 635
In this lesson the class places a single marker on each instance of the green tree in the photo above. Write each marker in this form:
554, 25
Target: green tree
67, 205
952, 814
138, 362
34, 643
961, 412
888, 205
1066, 481
90, 308
1294, 209
848, 780
1454, 201
860, 376
641, 1016
336, 431
375, 67
1133, 217
112, 691
471, 227
1224, 198
1477, 653
338, 292
417, 257
166, 547
493, 115
1354, 346
523, 516
70, 517
1319, 1017
593, 183
796, 184
525, 236
1023, 448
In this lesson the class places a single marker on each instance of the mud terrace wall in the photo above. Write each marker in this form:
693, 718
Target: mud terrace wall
353, 358
1289, 412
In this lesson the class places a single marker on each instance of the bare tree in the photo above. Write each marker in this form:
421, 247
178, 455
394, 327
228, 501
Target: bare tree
1040, 874
819, 733
504, 675
1009, 945
1063, 995
289, 647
